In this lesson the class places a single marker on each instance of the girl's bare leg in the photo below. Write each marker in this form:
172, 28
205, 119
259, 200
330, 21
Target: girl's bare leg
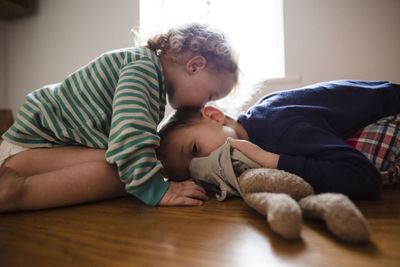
41, 160
58, 177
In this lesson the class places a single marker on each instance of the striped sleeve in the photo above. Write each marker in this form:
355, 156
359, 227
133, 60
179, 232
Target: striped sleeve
133, 132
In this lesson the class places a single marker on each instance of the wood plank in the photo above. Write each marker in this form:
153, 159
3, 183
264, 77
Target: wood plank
125, 232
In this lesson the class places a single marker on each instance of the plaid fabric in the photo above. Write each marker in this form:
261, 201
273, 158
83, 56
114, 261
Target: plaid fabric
380, 143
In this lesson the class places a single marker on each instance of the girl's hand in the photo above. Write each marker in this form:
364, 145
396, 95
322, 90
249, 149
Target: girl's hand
183, 193
252, 151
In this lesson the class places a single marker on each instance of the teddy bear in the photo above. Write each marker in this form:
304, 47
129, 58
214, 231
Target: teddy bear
283, 198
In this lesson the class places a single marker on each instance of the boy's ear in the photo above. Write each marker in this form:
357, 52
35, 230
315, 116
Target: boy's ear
214, 114
196, 64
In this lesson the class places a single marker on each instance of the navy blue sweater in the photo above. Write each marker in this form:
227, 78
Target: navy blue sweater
308, 127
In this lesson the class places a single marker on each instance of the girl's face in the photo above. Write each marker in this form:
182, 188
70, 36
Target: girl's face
198, 89
195, 84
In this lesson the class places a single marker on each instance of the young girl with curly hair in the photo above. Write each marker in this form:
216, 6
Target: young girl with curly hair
75, 141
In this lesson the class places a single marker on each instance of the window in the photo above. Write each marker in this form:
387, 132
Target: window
255, 27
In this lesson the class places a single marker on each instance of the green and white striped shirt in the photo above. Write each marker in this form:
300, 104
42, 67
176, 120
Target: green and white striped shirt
115, 102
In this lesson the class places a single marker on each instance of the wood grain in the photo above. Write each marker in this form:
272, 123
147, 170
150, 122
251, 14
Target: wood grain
125, 232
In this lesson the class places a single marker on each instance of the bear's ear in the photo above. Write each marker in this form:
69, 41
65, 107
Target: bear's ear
214, 114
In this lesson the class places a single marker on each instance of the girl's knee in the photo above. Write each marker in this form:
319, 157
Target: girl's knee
11, 189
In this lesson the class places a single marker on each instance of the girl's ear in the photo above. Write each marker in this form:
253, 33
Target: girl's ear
214, 114
196, 64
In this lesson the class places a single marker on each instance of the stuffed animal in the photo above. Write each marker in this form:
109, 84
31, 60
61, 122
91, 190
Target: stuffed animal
283, 198
274, 193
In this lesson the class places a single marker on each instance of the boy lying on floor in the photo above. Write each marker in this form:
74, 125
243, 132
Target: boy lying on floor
304, 131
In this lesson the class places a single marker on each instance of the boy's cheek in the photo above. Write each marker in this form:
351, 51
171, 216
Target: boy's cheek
210, 148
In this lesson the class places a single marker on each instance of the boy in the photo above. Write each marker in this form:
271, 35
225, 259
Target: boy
301, 131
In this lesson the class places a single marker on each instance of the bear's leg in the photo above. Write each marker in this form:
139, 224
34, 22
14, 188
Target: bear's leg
340, 214
283, 213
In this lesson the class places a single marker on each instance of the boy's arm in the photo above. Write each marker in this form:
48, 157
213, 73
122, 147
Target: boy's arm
345, 171
265, 158
327, 162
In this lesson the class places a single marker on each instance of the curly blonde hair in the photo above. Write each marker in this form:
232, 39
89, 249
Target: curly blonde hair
196, 39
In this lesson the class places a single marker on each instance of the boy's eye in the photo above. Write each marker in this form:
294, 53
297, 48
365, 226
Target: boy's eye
194, 150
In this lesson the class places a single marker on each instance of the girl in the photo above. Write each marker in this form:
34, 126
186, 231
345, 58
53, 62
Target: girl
72, 142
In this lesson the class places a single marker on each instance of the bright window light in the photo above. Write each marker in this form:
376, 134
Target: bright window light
254, 26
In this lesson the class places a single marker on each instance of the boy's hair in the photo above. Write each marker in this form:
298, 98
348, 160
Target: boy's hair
185, 116
196, 39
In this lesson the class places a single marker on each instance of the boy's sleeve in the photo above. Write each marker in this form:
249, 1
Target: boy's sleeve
329, 164
133, 132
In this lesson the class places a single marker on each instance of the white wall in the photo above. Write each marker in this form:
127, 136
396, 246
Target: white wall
324, 40
343, 39
3, 92
340, 39
63, 36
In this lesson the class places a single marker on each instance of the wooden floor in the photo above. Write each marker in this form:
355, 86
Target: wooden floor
124, 232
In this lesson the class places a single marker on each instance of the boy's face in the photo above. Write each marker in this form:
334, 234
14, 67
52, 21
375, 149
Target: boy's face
197, 140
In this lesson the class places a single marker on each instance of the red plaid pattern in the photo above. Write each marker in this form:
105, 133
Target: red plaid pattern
380, 143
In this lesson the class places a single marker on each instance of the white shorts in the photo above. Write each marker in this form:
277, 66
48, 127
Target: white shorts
8, 149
